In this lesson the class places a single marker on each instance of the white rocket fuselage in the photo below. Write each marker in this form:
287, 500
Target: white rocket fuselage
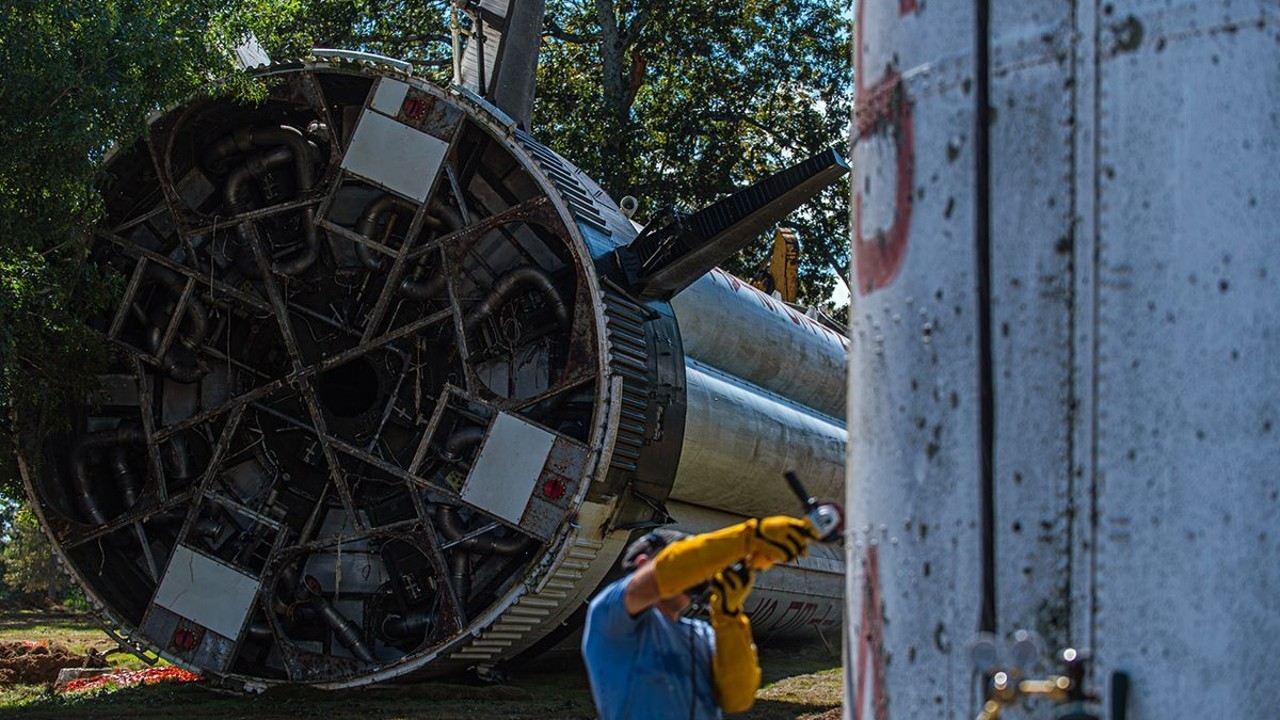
1063, 389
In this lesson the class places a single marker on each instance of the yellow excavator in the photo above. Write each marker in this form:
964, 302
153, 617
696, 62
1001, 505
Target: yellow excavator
783, 275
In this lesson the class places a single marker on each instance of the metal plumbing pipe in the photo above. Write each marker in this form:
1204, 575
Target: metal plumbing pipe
369, 222
525, 276
177, 457
294, 148
460, 569
345, 630
403, 627
200, 527
125, 478
287, 590
450, 220
254, 167
309, 592
544, 408
260, 631
196, 313
452, 527
461, 440
246, 139
183, 370
441, 216
83, 492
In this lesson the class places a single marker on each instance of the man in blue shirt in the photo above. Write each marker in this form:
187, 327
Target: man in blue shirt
645, 661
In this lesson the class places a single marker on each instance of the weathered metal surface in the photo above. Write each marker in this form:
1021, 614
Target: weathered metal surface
184, 590
293, 402
1031, 310
394, 155
913, 580
1186, 332
785, 352
506, 470
1132, 321
739, 440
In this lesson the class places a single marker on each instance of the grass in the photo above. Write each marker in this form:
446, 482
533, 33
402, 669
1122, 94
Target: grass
50, 625
74, 631
800, 683
813, 695
77, 631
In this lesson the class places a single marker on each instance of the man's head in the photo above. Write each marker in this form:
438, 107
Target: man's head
647, 547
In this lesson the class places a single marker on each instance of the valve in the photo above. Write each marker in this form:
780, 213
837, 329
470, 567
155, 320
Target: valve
1006, 687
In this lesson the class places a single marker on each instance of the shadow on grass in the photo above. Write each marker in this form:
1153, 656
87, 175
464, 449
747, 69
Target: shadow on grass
71, 622
766, 709
780, 660
436, 700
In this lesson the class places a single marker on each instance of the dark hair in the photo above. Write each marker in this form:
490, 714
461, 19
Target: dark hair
651, 543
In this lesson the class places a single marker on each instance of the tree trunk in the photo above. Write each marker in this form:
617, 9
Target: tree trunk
617, 138
52, 590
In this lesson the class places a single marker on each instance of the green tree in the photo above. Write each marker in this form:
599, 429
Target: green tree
681, 102
414, 31
77, 77
676, 102
27, 564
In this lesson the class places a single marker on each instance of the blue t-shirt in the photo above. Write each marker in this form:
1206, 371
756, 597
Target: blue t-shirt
647, 666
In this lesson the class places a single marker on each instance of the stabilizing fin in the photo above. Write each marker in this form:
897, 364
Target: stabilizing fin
675, 248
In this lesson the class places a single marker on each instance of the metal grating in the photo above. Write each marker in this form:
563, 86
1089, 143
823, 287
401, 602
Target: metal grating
629, 358
531, 611
566, 182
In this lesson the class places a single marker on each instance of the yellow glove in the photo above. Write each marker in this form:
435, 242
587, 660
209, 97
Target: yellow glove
685, 563
781, 539
735, 670
729, 588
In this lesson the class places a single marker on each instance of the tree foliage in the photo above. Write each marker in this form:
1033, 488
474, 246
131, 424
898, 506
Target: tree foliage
78, 77
680, 102
674, 101
27, 564
414, 31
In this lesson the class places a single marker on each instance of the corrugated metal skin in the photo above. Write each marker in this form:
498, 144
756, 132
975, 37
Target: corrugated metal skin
628, 358
1134, 326
739, 441
729, 324
567, 179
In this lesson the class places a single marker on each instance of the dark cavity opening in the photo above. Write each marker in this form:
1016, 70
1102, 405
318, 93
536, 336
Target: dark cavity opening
348, 390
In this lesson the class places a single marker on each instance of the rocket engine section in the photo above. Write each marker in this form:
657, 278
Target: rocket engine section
395, 385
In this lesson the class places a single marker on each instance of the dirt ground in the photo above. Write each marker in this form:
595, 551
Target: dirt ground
30, 662
800, 683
